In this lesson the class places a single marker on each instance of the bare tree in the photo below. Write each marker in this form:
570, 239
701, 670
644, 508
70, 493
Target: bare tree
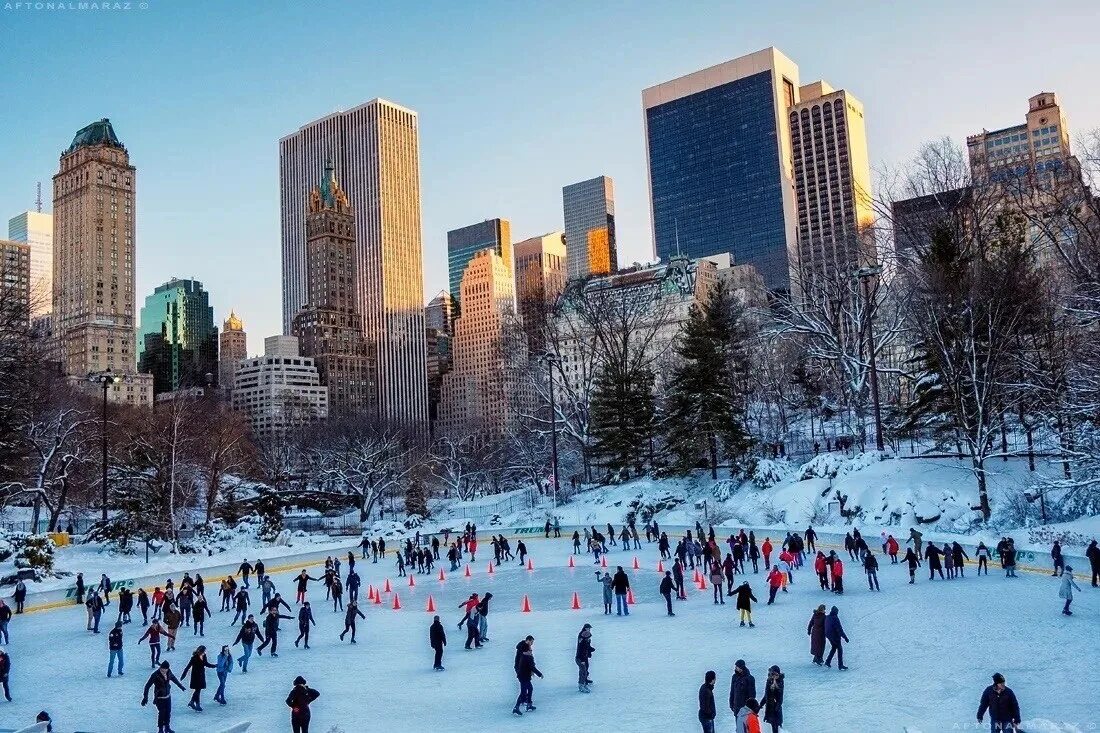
61, 440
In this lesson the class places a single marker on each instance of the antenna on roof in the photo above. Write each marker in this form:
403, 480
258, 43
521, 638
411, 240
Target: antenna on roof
676, 235
38, 200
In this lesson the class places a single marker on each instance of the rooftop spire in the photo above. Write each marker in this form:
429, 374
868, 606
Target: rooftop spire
328, 185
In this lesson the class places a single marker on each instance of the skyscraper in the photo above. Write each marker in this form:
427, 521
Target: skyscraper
439, 317
280, 390
832, 179
484, 393
93, 273
464, 243
36, 229
719, 160
15, 286
1040, 144
540, 279
376, 148
439, 314
232, 347
589, 212
177, 339
329, 327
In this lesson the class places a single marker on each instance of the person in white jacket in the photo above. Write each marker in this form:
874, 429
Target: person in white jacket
1065, 591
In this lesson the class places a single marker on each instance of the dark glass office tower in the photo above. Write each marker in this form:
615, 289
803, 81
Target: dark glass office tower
177, 340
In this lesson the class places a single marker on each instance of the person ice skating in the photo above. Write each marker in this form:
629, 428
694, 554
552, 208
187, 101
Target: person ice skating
5, 674
838, 576
160, 682
153, 633
745, 599
678, 578
1092, 552
80, 588
197, 666
666, 588
299, 700
114, 648
716, 578
742, 689
271, 631
337, 595
870, 566
982, 553
437, 639
473, 629
199, 613
932, 554
576, 542
5, 619
773, 698
241, 602
349, 620
305, 618
775, 582
583, 656
143, 604
246, 637
707, 709
916, 538
959, 556
223, 666
468, 606
1056, 558
821, 567
95, 611
834, 633
621, 583
892, 549
525, 669
1001, 704
816, 631
766, 548
483, 617
302, 580
104, 588
172, 623
1008, 558
125, 605
267, 588
1065, 590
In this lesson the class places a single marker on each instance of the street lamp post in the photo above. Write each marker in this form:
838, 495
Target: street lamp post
864, 274
550, 359
105, 380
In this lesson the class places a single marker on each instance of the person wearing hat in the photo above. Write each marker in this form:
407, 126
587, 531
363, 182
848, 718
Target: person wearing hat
584, 654
752, 720
298, 701
1001, 704
114, 647
773, 698
1065, 590
834, 632
666, 589
161, 681
742, 689
707, 710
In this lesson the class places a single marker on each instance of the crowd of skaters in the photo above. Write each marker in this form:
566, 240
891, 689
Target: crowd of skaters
166, 611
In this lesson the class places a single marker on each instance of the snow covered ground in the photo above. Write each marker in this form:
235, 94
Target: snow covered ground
920, 657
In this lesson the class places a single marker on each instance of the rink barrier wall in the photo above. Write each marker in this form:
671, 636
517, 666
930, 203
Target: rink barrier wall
1026, 560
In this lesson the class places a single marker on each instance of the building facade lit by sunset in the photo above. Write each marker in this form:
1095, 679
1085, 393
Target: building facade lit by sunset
540, 279
465, 242
588, 208
36, 230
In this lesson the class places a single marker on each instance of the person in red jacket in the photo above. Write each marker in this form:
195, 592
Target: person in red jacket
766, 548
473, 548
822, 570
838, 576
892, 549
775, 582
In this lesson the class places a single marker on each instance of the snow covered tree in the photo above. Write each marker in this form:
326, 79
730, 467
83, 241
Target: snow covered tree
61, 439
704, 407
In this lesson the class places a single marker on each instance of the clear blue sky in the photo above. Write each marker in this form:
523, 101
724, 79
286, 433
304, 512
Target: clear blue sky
515, 100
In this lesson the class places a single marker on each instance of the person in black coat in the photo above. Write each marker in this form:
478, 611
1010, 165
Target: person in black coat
913, 561
707, 710
305, 618
114, 647
932, 554
816, 631
437, 637
525, 668
299, 701
834, 632
621, 583
773, 698
742, 689
667, 587
1001, 704
349, 620
1093, 554
271, 631
5, 673
161, 682
197, 665
246, 637
583, 656
745, 599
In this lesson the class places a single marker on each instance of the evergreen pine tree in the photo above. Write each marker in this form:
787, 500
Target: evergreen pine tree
705, 403
622, 417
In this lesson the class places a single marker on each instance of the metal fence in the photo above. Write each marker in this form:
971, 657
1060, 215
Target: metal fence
527, 499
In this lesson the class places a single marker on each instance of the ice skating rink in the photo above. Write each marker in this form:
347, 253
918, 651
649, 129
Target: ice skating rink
919, 655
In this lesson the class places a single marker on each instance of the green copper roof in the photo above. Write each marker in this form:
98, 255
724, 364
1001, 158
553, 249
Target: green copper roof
97, 133
327, 188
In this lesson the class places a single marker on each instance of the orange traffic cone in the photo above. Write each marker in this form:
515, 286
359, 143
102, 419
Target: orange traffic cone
702, 583
526, 604
386, 588
576, 601
660, 566
695, 577
467, 573
630, 596
491, 571
412, 582
396, 602
377, 598
571, 563
431, 605
442, 577
530, 565
636, 565
370, 593
603, 561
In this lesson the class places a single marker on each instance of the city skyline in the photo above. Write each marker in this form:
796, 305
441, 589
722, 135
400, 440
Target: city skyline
472, 167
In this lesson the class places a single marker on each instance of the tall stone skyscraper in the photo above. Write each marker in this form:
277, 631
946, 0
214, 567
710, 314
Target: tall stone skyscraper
232, 347
177, 339
93, 273
329, 327
375, 146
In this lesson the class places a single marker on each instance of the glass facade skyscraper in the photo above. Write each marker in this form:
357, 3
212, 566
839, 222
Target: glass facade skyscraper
589, 212
177, 339
36, 229
719, 157
464, 243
